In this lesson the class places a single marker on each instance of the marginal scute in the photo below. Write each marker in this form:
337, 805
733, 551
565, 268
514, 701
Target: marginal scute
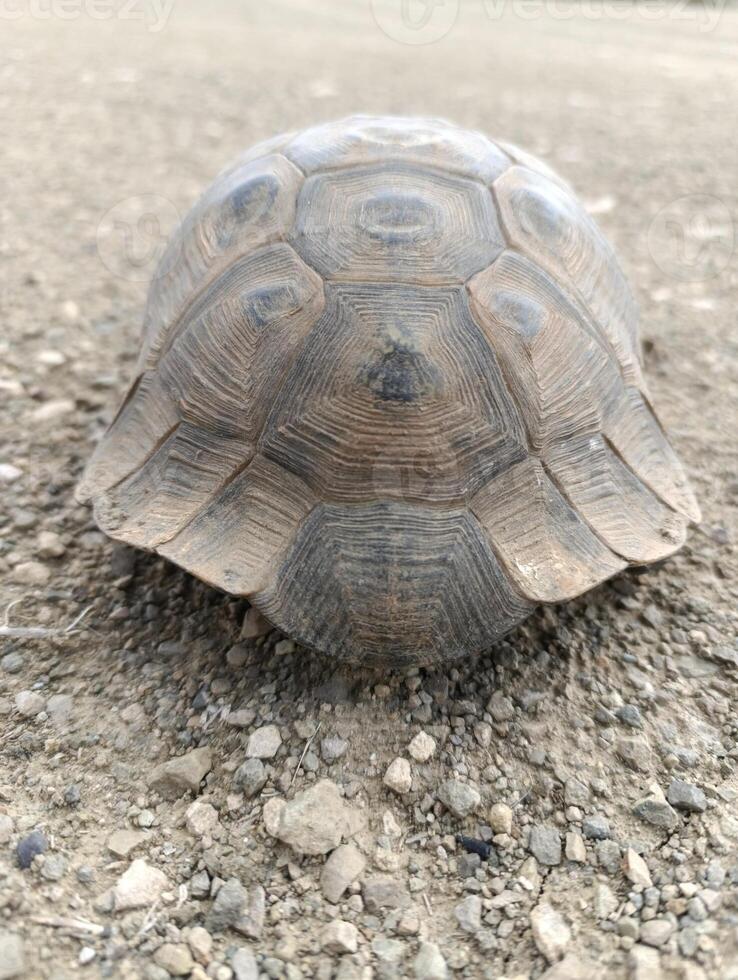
549, 225
236, 541
618, 507
265, 148
392, 582
146, 418
545, 547
532, 163
363, 140
396, 223
637, 437
249, 206
175, 482
412, 408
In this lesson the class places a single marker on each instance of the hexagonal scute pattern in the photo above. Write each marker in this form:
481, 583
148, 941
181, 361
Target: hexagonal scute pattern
396, 395
390, 389
395, 581
392, 224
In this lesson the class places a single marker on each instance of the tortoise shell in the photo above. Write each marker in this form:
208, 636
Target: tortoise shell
390, 390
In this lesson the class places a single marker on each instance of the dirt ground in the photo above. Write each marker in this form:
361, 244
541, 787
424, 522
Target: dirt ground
554, 747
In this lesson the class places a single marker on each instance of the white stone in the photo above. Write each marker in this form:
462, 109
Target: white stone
182, 774
570, 968
550, 933
636, 869
468, 914
500, 818
460, 798
315, 821
122, 842
31, 573
9, 473
339, 937
49, 545
342, 868
175, 958
243, 964
575, 847
644, 963
399, 776
429, 964
605, 901
50, 357
390, 825
201, 944
6, 828
201, 818
139, 886
272, 814
656, 932
52, 410
263, 743
12, 958
422, 747
29, 703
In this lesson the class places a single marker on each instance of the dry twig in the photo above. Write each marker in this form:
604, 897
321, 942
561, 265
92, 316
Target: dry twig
304, 753
73, 924
35, 632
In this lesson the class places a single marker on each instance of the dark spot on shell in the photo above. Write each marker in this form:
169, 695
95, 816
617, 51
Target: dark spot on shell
397, 219
263, 306
254, 197
246, 204
543, 215
402, 374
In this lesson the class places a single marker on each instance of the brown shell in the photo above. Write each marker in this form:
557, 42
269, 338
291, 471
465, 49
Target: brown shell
390, 389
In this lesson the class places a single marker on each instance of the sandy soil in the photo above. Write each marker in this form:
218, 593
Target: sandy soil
110, 128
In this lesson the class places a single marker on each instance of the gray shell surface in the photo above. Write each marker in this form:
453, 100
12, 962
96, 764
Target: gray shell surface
390, 390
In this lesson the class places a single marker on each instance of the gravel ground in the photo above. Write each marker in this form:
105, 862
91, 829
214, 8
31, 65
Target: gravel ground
183, 792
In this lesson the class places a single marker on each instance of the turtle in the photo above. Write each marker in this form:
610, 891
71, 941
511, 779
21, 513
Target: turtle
390, 391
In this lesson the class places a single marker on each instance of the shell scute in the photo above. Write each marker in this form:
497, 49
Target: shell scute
412, 384
396, 224
399, 582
